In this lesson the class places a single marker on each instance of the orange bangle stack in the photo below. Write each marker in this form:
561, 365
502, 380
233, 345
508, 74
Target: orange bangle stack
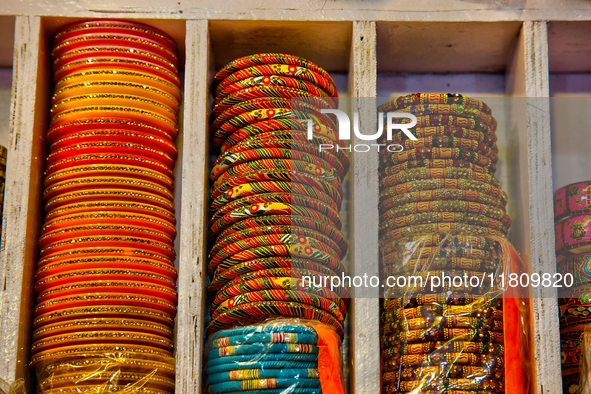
105, 281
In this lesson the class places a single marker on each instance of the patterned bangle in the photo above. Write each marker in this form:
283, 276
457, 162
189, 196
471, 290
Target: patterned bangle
451, 371
442, 299
449, 384
572, 200
477, 309
409, 267
447, 206
573, 235
416, 174
409, 244
444, 359
445, 347
447, 131
451, 120
438, 153
574, 316
579, 266
450, 110
390, 169
442, 228
442, 217
440, 195
434, 98
443, 334
473, 323
407, 250
450, 142
437, 186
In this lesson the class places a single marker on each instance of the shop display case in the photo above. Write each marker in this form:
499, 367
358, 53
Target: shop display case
503, 57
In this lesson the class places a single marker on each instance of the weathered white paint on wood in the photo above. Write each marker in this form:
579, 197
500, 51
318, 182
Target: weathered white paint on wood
192, 261
387, 10
365, 317
528, 77
23, 196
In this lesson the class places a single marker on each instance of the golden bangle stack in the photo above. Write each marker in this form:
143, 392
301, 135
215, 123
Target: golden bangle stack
440, 210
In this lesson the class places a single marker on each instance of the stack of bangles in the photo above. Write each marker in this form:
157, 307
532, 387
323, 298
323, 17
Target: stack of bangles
572, 216
105, 280
3, 158
278, 356
275, 200
442, 213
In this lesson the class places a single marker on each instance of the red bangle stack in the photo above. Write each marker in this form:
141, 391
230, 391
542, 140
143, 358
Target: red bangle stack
105, 282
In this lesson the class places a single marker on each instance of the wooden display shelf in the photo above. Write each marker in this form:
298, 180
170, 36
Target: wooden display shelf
510, 61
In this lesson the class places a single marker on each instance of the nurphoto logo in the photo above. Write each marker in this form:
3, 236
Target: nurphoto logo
345, 131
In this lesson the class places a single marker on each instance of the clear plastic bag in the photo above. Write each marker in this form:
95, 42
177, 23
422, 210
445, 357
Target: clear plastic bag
280, 355
103, 372
16, 387
459, 330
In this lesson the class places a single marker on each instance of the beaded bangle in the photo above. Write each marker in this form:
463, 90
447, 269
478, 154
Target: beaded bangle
441, 195
390, 255
409, 267
447, 131
443, 334
445, 217
434, 98
473, 323
450, 142
435, 120
442, 299
451, 371
450, 110
430, 173
444, 359
446, 206
114, 25
409, 244
432, 187
389, 169
572, 200
455, 346
449, 384
78, 350
476, 309
442, 228
439, 153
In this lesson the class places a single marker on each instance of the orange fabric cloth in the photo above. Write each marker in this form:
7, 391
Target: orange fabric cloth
329, 360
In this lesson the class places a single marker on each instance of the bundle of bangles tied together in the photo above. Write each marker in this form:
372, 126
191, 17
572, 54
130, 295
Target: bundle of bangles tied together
105, 280
273, 222
449, 327
572, 216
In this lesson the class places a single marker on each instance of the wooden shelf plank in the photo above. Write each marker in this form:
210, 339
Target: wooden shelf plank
528, 77
22, 216
190, 328
365, 335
